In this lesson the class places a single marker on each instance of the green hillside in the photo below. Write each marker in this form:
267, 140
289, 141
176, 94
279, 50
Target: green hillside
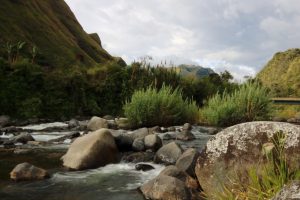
282, 73
52, 27
194, 71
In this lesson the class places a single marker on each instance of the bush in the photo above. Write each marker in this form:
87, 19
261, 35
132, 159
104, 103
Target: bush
166, 106
248, 103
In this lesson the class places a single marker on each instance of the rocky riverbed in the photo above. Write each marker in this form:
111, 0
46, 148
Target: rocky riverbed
43, 145
104, 158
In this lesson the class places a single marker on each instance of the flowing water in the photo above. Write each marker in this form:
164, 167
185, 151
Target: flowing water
112, 182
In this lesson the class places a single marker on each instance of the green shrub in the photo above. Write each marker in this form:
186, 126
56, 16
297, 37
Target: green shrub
249, 102
166, 106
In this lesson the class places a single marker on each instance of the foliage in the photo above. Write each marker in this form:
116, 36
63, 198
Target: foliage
285, 112
249, 102
263, 182
159, 107
29, 89
282, 74
61, 41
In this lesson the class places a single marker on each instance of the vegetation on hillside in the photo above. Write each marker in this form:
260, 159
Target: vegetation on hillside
249, 102
282, 74
53, 28
167, 106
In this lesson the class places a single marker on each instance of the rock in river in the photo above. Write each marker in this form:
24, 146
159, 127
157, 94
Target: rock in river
143, 167
166, 188
93, 150
153, 142
97, 123
168, 154
187, 161
28, 172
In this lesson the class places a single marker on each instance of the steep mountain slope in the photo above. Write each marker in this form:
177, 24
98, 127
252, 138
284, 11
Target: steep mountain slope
53, 28
282, 73
194, 71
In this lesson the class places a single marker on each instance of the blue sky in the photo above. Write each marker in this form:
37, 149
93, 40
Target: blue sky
236, 35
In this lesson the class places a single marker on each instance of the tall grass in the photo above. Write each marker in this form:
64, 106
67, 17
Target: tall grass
265, 181
249, 102
166, 106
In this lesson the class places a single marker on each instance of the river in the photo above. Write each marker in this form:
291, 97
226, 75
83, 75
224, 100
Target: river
112, 182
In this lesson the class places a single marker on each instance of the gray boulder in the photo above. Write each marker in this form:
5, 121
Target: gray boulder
73, 123
93, 150
28, 172
236, 149
22, 138
153, 142
289, 192
187, 127
166, 188
187, 161
138, 144
185, 135
173, 171
97, 123
140, 133
168, 154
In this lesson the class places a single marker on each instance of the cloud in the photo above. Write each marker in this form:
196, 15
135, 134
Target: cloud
240, 36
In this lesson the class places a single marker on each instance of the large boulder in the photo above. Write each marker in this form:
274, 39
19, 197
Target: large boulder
93, 150
187, 161
168, 154
28, 172
289, 192
236, 149
153, 142
165, 188
97, 123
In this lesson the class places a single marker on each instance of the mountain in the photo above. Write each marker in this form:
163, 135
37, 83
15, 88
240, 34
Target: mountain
52, 27
194, 71
282, 73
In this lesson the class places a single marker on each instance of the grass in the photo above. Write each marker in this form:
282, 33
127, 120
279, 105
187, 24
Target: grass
153, 107
286, 111
263, 182
282, 74
53, 28
249, 102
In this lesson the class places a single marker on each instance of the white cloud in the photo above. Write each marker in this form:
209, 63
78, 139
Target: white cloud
236, 35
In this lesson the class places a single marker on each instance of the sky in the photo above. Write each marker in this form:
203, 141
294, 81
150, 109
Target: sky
235, 35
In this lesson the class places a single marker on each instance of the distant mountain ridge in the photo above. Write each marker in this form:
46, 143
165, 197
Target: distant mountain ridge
194, 71
282, 73
53, 28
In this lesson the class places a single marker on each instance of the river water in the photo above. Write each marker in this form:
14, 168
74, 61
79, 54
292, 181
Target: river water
112, 182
